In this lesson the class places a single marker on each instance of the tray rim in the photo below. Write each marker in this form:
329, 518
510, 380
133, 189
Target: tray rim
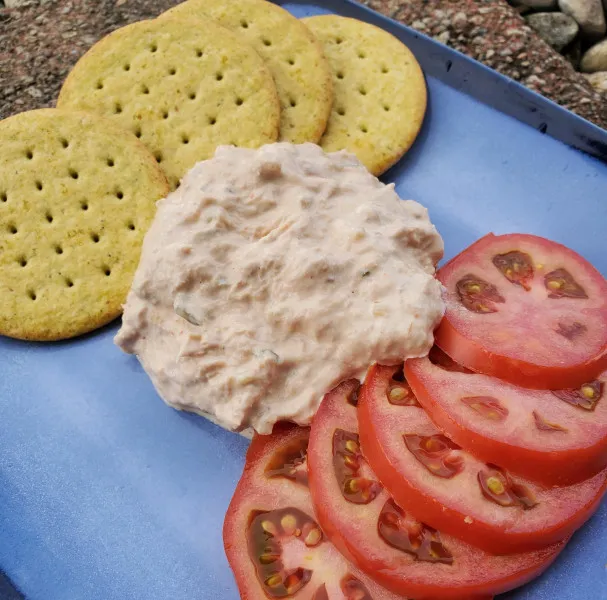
526, 106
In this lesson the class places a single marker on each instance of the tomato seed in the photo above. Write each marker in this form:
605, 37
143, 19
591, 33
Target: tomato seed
268, 559
289, 524
274, 580
269, 527
313, 538
496, 486
352, 446
397, 394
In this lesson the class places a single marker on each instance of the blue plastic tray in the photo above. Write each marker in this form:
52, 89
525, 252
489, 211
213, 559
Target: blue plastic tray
105, 493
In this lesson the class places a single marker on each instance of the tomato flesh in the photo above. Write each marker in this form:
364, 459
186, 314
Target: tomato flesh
477, 502
385, 541
272, 540
552, 437
527, 310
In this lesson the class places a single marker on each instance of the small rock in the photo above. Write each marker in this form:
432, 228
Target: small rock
589, 14
536, 4
534, 80
598, 81
19, 3
557, 29
460, 20
443, 37
34, 92
595, 58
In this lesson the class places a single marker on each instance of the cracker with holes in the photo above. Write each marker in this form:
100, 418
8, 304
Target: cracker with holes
183, 87
380, 92
293, 55
77, 194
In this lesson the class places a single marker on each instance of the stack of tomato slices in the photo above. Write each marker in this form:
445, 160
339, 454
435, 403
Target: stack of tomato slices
449, 477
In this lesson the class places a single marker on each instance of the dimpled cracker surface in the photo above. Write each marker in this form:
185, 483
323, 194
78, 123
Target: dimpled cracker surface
294, 56
380, 92
77, 195
183, 87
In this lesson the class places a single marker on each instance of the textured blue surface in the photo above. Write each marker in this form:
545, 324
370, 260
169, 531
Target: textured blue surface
105, 493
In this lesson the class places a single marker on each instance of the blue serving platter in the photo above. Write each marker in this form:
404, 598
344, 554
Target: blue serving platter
108, 494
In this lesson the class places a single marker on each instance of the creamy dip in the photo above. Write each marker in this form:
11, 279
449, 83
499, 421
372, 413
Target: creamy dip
270, 276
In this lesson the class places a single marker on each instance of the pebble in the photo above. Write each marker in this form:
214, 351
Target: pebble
443, 37
17, 3
536, 4
595, 58
589, 14
460, 20
555, 28
34, 92
598, 81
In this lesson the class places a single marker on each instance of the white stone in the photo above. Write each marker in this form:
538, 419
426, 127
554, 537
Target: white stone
598, 81
536, 4
595, 59
555, 28
17, 3
443, 37
589, 14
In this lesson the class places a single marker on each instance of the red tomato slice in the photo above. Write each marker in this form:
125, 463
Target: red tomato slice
552, 437
526, 310
451, 490
363, 521
272, 541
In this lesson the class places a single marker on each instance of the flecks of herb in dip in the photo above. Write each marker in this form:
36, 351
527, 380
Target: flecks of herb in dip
271, 275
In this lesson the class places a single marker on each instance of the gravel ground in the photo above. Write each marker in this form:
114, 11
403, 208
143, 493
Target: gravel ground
40, 42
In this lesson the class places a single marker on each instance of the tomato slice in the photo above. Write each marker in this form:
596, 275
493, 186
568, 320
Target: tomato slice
363, 521
527, 310
450, 489
273, 543
552, 437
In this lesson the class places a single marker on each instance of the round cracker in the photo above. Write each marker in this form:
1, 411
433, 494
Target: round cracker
295, 58
380, 92
77, 194
183, 87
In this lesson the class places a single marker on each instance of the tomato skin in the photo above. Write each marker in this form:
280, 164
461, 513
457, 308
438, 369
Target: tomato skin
467, 349
548, 467
471, 353
428, 509
353, 528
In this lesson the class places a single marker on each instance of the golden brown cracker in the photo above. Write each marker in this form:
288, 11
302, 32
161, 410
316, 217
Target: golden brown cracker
77, 195
380, 92
183, 87
293, 55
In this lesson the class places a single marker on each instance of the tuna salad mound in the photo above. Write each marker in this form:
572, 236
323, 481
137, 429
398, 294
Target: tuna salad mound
270, 276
